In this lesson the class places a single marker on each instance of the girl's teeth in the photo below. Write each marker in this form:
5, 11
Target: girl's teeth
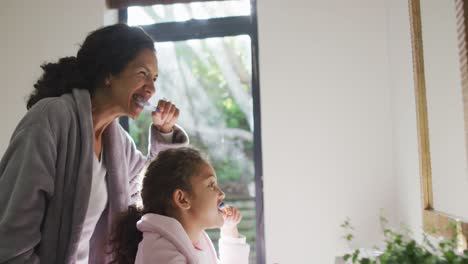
222, 207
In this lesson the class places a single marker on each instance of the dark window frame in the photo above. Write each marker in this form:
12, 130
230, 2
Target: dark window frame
222, 27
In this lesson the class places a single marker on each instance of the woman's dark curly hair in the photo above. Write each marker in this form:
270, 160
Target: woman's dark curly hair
171, 170
105, 51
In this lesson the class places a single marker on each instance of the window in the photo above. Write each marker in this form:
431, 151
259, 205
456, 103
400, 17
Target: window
183, 12
207, 56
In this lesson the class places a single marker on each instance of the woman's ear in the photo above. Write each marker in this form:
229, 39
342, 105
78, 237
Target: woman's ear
181, 199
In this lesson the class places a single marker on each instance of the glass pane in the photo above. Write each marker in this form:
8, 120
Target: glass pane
210, 81
140, 15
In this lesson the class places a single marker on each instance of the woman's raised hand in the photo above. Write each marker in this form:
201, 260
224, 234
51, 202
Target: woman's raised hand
166, 117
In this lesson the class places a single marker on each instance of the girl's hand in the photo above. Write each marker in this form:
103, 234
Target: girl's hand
231, 219
165, 119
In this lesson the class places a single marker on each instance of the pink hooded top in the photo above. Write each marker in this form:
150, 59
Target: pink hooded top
165, 241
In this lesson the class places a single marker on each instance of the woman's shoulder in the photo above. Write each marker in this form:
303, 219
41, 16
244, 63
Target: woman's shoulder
59, 108
54, 104
52, 113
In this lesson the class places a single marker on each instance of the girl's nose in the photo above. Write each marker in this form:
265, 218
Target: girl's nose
222, 195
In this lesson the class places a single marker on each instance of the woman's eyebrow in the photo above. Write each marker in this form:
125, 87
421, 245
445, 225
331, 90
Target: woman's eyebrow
148, 70
143, 65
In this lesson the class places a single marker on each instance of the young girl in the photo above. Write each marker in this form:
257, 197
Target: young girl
181, 198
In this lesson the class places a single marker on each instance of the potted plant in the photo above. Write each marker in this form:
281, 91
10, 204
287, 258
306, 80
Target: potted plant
400, 248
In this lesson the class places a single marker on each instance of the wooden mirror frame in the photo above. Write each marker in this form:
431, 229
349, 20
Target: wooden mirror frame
435, 222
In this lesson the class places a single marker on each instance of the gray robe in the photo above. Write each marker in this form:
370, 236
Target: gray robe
45, 180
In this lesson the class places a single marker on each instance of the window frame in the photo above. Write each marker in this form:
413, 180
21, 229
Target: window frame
223, 27
434, 222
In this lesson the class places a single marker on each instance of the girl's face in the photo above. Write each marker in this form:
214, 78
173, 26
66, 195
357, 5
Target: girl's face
136, 80
205, 198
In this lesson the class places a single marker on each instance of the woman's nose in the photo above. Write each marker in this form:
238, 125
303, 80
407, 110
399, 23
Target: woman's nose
150, 87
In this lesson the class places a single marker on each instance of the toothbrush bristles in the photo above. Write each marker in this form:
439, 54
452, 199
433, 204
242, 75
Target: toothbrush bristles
146, 105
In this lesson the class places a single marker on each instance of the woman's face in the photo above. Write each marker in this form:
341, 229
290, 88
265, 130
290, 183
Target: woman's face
135, 81
205, 198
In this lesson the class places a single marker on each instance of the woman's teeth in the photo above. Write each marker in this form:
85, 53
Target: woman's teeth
139, 99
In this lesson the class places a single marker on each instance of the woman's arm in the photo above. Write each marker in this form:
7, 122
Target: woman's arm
164, 121
157, 143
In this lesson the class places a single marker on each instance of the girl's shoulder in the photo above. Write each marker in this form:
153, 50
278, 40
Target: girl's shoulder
166, 236
154, 246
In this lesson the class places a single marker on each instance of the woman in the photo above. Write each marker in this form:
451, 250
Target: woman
70, 167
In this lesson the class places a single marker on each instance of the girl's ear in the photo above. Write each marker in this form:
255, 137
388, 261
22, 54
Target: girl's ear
107, 80
181, 199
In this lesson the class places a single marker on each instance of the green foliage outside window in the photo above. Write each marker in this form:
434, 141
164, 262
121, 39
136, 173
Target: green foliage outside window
209, 80
216, 111
215, 120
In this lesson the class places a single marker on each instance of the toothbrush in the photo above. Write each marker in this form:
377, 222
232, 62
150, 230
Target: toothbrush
146, 105
224, 208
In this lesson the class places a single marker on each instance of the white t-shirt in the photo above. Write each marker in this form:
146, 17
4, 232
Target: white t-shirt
97, 204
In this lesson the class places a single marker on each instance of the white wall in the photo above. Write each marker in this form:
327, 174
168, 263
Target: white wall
34, 32
331, 141
326, 125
